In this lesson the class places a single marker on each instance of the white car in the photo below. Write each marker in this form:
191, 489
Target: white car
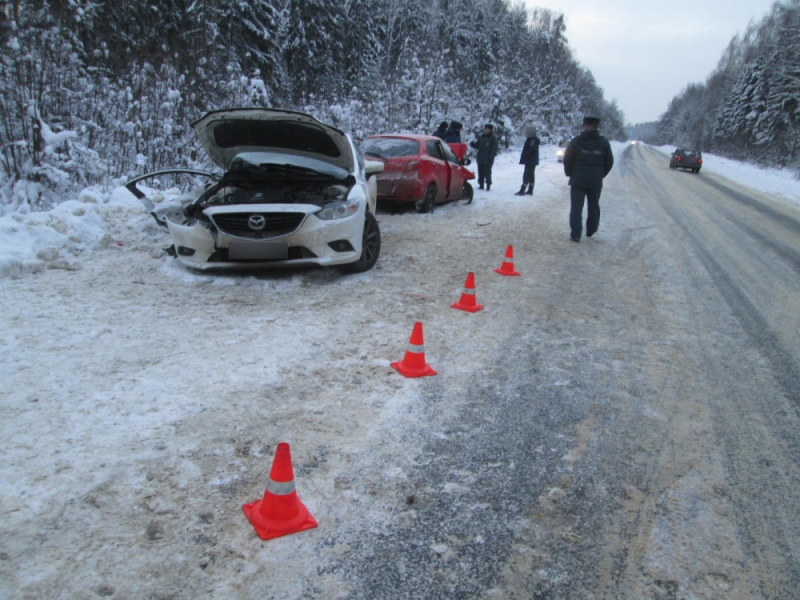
294, 192
560, 154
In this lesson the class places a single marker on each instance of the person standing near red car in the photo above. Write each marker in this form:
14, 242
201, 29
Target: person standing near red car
453, 134
487, 150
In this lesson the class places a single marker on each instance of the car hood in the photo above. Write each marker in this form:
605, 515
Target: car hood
227, 133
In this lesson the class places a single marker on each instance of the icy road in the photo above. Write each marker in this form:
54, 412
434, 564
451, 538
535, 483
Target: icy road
619, 422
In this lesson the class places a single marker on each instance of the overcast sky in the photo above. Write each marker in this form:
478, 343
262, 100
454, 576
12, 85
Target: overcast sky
643, 53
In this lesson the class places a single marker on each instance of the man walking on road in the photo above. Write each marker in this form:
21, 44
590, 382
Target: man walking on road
486, 145
587, 161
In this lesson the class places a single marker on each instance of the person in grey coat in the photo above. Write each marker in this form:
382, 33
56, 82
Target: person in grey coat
487, 150
587, 161
529, 158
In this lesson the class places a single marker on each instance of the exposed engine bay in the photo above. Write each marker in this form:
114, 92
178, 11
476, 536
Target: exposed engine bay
232, 192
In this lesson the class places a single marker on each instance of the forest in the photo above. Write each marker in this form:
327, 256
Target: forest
94, 92
749, 107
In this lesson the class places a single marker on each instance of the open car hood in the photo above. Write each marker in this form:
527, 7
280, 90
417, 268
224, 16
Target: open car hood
230, 132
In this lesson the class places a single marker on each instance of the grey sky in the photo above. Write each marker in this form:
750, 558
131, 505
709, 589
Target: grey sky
643, 53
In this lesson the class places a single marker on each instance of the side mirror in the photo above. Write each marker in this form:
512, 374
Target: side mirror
465, 161
371, 167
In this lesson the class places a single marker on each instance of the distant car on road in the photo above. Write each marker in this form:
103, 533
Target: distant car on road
560, 154
686, 159
418, 169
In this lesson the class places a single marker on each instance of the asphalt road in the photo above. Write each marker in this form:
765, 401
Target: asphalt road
635, 435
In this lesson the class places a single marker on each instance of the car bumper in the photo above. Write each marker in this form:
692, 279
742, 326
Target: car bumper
202, 247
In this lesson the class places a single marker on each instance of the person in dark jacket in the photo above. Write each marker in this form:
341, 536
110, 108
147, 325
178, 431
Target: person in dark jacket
487, 150
587, 161
453, 134
529, 158
440, 133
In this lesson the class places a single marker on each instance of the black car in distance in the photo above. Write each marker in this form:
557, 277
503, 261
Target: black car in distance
686, 159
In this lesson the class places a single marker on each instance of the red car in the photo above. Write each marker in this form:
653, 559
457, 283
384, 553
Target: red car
419, 168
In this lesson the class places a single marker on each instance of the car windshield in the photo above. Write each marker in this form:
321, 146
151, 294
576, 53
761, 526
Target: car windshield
390, 147
688, 153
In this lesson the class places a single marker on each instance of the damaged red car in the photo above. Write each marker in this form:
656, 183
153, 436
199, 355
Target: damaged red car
419, 169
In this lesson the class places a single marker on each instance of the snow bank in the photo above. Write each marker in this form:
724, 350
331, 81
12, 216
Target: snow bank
53, 239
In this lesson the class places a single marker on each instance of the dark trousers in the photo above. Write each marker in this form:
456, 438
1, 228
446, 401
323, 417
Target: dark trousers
529, 176
484, 173
577, 196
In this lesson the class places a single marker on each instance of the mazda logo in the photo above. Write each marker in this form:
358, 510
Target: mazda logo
257, 222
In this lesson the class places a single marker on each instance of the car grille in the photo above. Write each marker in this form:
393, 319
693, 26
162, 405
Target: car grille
295, 253
277, 224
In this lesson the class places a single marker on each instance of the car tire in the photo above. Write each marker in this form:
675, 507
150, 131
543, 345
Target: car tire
467, 194
428, 202
370, 247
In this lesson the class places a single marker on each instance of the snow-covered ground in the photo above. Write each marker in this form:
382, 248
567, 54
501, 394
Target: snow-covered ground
142, 401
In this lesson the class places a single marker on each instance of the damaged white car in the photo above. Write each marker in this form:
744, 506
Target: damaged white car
294, 192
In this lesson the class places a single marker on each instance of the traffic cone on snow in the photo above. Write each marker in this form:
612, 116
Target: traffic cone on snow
413, 364
280, 511
467, 301
507, 268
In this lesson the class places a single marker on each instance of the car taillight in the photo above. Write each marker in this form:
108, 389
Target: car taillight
699, 161
680, 158
413, 164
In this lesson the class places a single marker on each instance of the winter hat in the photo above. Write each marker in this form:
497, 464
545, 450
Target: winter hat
591, 120
455, 125
489, 126
443, 125
530, 131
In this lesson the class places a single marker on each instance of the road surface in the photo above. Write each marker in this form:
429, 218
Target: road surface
619, 422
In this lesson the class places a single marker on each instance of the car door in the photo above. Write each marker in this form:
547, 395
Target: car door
456, 174
441, 170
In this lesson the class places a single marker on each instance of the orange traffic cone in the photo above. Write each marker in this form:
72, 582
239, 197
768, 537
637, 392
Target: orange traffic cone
507, 268
413, 364
467, 301
280, 511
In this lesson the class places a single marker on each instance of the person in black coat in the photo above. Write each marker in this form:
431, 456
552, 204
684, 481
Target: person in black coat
440, 133
486, 144
529, 158
587, 161
453, 134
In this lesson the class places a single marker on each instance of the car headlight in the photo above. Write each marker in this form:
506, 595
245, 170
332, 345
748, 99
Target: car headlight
337, 210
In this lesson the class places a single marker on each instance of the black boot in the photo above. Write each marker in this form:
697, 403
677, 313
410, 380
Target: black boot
488, 186
521, 191
480, 186
530, 190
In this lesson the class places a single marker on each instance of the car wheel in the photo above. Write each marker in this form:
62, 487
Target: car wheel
467, 194
370, 247
428, 202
